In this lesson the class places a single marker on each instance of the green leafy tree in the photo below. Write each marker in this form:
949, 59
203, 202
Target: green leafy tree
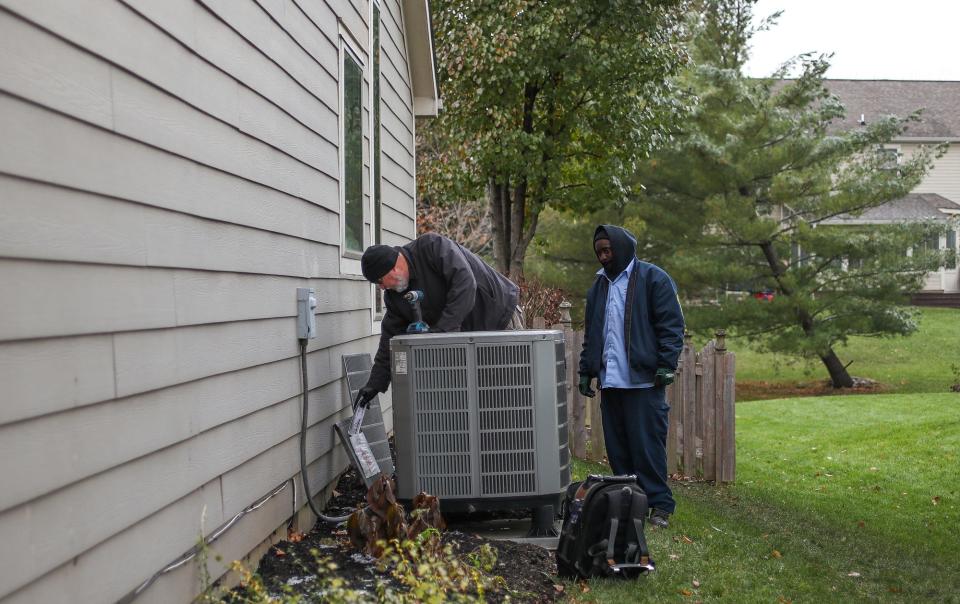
747, 195
547, 104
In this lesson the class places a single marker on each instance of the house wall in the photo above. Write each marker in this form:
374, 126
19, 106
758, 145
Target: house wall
169, 175
944, 178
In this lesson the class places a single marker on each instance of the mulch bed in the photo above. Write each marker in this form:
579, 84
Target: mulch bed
753, 390
529, 571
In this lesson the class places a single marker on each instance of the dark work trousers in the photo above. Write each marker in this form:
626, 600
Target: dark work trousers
635, 429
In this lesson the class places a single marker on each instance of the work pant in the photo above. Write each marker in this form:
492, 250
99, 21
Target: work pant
635, 430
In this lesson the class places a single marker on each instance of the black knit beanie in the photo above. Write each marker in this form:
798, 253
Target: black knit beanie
377, 261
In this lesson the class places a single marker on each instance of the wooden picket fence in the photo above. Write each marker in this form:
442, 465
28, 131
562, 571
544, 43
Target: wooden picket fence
700, 438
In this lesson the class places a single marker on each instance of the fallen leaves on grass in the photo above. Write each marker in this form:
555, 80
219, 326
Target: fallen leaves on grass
853, 573
935, 500
895, 590
682, 539
685, 592
861, 523
696, 583
776, 554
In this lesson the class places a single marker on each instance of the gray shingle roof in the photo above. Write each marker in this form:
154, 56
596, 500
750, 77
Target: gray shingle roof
912, 208
874, 98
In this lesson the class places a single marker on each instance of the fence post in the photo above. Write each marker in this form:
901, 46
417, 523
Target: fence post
576, 424
726, 421
708, 398
675, 398
672, 420
688, 390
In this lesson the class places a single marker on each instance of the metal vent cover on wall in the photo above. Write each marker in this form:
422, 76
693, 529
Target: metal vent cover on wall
480, 415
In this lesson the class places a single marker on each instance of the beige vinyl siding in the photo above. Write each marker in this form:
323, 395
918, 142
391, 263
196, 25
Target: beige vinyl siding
944, 178
170, 175
397, 139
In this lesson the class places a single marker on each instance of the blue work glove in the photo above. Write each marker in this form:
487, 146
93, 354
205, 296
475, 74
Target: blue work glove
584, 387
664, 377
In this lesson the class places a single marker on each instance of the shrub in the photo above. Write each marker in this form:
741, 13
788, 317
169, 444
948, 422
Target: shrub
540, 300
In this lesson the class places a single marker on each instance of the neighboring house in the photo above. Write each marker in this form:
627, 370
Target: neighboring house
920, 207
170, 172
867, 100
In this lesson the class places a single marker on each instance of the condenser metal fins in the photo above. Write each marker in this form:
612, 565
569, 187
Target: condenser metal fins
481, 415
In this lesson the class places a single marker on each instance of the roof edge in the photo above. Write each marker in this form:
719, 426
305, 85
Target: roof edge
418, 29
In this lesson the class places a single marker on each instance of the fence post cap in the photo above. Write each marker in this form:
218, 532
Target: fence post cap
721, 335
565, 312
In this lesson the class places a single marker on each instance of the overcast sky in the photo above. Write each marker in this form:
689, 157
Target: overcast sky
870, 39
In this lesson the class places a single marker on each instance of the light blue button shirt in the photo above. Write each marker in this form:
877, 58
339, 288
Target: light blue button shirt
616, 368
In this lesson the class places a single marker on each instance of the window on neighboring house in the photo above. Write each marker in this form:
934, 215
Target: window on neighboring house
952, 249
889, 158
352, 123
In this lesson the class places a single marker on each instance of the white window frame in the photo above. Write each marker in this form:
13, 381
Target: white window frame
349, 259
375, 293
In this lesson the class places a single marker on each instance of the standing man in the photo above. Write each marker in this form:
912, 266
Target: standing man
633, 335
461, 293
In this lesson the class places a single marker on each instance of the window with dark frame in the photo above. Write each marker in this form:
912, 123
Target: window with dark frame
352, 153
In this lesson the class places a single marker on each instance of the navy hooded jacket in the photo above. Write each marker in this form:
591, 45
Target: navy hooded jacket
652, 318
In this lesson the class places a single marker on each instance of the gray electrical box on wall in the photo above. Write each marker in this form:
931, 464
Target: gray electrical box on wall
306, 306
480, 418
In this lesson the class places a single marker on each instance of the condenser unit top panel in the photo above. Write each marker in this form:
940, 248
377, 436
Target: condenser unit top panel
477, 337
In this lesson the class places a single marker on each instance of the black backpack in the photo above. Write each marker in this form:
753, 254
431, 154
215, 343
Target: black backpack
602, 535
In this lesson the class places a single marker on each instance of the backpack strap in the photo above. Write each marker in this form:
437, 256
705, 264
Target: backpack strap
638, 511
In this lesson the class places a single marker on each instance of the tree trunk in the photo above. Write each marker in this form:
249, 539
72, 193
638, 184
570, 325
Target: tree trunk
838, 373
514, 226
514, 223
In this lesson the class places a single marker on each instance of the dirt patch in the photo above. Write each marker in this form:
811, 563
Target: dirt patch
528, 571
750, 390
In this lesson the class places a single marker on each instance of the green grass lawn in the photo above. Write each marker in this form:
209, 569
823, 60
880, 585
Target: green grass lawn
917, 363
837, 499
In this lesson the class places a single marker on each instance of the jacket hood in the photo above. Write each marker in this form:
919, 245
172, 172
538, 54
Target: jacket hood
624, 246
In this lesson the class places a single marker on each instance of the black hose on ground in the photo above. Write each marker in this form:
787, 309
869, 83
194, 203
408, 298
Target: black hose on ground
303, 442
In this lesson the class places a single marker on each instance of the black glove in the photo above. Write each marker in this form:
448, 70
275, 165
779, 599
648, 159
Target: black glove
664, 377
584, 387
364, 396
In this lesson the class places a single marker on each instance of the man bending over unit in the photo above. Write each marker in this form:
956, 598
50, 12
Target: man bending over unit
461, 293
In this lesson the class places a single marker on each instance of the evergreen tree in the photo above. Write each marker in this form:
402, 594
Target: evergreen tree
743, 196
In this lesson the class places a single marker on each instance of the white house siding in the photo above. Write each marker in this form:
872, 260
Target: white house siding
168, 176
944, 178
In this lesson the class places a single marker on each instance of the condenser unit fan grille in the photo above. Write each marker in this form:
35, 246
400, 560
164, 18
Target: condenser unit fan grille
442, 420
506, 406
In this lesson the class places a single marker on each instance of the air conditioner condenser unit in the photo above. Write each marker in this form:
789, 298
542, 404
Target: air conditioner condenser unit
480, 418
